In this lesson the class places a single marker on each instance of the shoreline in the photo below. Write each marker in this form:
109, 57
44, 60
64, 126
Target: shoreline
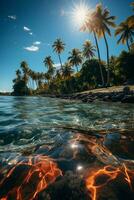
123, 94
111, 94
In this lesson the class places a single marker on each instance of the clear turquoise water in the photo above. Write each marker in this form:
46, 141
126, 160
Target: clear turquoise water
31, 126
29, 120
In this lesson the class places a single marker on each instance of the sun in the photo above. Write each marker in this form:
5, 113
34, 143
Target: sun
79, 14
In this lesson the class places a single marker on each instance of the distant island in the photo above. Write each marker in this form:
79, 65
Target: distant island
5, 93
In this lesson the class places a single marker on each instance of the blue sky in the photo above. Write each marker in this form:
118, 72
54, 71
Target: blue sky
28, 29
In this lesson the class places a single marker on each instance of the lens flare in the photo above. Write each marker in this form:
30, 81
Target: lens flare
79, 14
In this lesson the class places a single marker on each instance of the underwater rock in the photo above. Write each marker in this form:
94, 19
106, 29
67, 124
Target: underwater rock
69, 187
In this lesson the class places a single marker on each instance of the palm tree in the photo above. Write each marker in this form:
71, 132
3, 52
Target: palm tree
58, 75
25, 69
50, 65
58, 47
126, 33
18, 75
48, 62
67, 70
75, 58
88, 49
90, 27
130, 19
102, 20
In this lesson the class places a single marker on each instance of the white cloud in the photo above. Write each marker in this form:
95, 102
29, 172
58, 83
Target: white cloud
26, 28
13, 17
30, 33
36, 43
32, 48
57, 65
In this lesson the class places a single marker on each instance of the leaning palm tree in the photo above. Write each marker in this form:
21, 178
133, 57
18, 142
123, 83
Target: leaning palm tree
89, 26
75, 58
88, 49
102, 20
126, 32
58, 47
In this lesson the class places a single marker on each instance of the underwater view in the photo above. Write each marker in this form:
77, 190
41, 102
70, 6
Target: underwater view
65, 150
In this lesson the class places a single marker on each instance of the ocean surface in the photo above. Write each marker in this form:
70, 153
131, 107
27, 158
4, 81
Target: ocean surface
65, 150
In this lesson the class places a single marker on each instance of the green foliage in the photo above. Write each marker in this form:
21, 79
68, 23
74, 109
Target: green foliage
20, 88
125, 63
90, 72
75, 58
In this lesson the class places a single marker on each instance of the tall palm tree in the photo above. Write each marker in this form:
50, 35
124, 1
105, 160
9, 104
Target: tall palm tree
102, 20
75, 58
58, 47
88, 49
126, 33
89, 26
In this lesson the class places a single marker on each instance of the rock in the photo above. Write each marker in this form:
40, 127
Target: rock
69, 187
126, 90
112, 139
117, 97
89, 100
128, 99
106, 98
85, 100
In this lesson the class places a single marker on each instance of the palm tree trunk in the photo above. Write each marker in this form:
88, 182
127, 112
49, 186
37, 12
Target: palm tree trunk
128, 46
98, 51
108, 73
60, 61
